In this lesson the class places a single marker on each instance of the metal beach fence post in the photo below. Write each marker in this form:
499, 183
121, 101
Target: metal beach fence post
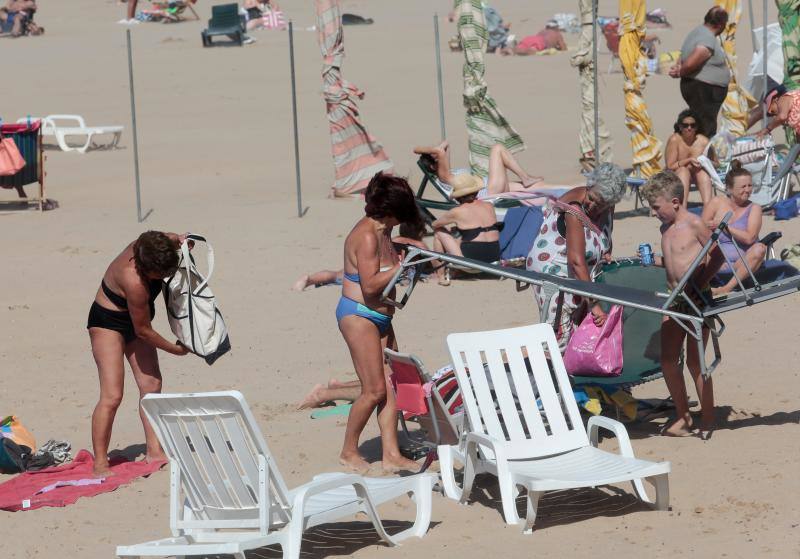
139, 216
300, 210
437, 50
596, 96
765, 54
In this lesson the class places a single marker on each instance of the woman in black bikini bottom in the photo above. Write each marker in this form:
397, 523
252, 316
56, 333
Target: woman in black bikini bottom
120, 326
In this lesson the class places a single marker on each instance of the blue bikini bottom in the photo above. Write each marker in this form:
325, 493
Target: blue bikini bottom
347, 307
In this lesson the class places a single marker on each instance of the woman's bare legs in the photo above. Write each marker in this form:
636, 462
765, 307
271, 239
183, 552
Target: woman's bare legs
441, 154
143, 359
754, 256
108, 348
501, 161
132, 9
366, 348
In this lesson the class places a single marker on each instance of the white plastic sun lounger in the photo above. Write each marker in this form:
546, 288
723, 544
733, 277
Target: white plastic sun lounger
60, 127
227, 495
535, 442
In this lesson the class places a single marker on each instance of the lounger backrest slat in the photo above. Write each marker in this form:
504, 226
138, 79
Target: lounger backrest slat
531, 408
216, 444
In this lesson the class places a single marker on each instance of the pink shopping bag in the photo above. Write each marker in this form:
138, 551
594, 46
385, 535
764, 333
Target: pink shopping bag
594, 351
11, 161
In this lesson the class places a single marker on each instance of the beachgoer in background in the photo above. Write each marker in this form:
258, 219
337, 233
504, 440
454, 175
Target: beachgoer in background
744, 226
684, 146
475, 221
410, 234
131, 14
120, 327
573, 242
703, 69
370, 262
548, 38
500, 162
784, 108
497, 30
683, 235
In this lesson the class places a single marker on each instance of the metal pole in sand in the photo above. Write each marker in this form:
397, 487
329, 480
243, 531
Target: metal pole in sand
437, 50
752, 22
300, 210
594, 72
139, 216
765, 53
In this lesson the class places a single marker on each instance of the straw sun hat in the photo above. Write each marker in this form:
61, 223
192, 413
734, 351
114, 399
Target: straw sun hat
465, 184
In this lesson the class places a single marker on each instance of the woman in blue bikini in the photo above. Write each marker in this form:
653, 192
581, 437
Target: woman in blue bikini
370, 262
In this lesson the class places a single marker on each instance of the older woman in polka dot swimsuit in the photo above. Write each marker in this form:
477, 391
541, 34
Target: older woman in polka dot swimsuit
572, 243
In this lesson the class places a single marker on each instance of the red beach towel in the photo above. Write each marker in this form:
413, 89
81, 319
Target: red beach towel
25, 491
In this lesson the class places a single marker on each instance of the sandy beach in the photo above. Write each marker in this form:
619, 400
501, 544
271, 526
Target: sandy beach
215, 143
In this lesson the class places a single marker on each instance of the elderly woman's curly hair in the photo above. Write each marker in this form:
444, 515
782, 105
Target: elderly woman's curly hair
608, 181
155, 255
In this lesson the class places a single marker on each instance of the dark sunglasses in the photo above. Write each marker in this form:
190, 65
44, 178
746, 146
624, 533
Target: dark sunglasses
688, 125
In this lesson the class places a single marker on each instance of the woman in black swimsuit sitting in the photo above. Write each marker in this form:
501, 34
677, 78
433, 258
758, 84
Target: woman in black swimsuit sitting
475, 221
119, 325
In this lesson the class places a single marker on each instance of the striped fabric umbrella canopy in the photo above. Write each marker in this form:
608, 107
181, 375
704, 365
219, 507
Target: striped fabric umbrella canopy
646, 147
357, 155
733, 114
486, 125
789, 20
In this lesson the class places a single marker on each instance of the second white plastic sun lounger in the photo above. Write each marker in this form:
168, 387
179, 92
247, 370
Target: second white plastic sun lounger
525, 428
60, 127
227, 495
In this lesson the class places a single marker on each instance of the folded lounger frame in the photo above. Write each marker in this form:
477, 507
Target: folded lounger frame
692, 321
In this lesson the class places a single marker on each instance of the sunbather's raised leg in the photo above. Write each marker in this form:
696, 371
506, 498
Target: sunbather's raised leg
446, 243
107, 348
441, 154
754, 256
686, 177
703, 182
501, 161
143, 360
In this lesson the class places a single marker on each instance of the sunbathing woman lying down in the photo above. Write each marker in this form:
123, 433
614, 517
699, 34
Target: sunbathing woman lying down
500, 161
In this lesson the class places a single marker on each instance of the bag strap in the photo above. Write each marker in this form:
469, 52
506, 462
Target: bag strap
187, 260
575, 212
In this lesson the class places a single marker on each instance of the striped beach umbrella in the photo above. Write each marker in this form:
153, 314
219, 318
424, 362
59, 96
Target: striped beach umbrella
789, 20
486, 125
357, 155
646, 147
734, 111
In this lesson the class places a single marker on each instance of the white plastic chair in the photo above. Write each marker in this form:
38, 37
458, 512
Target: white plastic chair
540, 445
227, 495
62, 126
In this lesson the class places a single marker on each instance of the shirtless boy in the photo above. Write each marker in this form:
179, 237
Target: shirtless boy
683, 235
683, 149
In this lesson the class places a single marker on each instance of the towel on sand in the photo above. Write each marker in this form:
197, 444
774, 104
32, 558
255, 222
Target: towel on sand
24, 492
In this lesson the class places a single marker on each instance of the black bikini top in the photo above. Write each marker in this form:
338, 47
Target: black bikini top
154, 286
468, 235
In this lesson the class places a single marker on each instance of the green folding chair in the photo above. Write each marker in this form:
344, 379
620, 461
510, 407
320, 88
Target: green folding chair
225, 20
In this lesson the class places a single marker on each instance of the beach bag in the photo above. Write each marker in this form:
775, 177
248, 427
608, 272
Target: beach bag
12, 428
192, 309
11, 160
786, 209
594, 351
13, 457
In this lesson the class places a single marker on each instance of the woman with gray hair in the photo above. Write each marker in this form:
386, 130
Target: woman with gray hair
573, 242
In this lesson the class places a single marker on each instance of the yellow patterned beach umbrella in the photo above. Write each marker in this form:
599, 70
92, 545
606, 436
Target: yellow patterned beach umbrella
646, 147
733, 115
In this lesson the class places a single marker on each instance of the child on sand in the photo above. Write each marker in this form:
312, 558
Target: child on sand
683, 235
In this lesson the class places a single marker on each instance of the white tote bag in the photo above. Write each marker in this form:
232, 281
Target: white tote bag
192, 309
